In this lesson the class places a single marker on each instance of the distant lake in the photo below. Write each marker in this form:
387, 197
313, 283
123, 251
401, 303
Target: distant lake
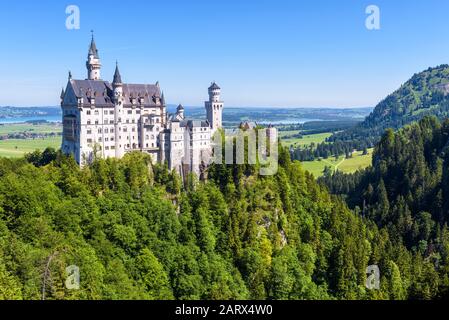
288, 121
55, 118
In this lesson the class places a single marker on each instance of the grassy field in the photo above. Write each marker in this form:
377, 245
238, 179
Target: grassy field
305, 140
358, 161
27, 127
14, 148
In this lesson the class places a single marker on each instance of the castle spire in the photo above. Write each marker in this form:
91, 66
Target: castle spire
117, 76
93, 64
93, 47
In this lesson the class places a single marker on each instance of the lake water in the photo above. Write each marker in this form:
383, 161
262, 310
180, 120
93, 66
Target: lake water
25, 119
58, 119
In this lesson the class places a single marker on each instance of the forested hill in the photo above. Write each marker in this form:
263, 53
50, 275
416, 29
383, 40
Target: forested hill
426, 93
406, 191
135, 233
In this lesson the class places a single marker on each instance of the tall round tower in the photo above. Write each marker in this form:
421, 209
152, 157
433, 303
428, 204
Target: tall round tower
117, 87
214, 107
93, 64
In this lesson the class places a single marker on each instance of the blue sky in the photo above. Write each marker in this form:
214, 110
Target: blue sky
261, 52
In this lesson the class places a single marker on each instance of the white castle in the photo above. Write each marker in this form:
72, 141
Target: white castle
111, 119
102, 119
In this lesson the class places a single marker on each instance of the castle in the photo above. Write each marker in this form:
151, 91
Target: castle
111, 119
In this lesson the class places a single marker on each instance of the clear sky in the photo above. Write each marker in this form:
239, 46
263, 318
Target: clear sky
261, 52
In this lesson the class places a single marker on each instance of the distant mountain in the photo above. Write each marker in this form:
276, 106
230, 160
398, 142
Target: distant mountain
24, 112
426, 93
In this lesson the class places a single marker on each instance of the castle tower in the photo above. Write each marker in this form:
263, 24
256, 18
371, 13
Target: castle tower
180, 112
214, 108
93, 64
117, 87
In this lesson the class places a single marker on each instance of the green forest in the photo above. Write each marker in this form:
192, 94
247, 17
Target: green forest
406, 193
424, 94
137, 232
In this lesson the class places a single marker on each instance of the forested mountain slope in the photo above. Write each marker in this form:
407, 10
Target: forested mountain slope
136, 234
425, 94
406, 190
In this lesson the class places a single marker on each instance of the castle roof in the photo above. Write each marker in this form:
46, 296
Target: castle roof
93, 48
214, 86
117, 76
195, 123
102, 91
248, 125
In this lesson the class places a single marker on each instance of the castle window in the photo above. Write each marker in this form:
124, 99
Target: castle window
96, 121
111, 112
105, 112
130, 111
99, 139
89, 131
99, 130
106, 130
89, 140
96, 112
88, 121
88, 112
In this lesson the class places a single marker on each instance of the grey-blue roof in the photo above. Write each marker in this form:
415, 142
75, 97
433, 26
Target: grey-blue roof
214, 86
117, 76
195, 123
103, 93
93, 49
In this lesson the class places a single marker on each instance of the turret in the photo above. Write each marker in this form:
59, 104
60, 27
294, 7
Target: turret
180, 112
93, 64
117, 84
117, 87
214, 92
214, 107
